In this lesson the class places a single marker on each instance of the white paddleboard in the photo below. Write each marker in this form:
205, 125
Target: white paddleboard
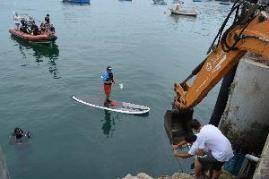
115, 106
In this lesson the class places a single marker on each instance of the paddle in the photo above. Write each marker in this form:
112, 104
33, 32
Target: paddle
120, 84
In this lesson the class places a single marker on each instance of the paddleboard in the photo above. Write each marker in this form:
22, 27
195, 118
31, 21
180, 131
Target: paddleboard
115, 106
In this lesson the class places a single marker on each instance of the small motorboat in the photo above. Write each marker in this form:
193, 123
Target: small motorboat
159, 2
77, 1
44, 37
184, 12
225, 3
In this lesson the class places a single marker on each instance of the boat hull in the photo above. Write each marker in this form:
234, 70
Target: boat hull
77, 1
184, 12
42, 38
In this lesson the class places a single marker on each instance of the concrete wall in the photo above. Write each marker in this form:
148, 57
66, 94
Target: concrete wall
262, 171
245, 120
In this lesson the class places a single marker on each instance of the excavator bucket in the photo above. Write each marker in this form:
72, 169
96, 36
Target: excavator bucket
177, 124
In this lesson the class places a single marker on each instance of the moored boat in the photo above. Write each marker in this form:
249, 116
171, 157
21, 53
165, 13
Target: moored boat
77, 1
44, 37
184, 12
159, 2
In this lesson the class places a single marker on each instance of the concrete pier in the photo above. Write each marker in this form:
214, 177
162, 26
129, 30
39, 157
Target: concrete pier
262, 170
3, 170
245, 119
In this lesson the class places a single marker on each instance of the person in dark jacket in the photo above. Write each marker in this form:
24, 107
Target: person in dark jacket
108, 79
47, 19
24, 26
35, 29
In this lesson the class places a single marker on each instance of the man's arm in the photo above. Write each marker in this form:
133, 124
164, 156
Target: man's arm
200, 152
182, 154
180, 144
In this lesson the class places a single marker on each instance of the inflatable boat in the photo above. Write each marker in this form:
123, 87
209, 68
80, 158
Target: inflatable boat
42, 38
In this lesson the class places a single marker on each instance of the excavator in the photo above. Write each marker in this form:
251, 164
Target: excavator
249, 32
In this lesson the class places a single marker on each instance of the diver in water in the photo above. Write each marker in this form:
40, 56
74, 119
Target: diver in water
19, 133
18, 136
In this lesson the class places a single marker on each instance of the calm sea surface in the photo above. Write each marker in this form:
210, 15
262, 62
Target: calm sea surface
148, 49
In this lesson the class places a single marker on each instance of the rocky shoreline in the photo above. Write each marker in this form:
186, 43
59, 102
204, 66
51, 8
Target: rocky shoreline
146, 176
224, 175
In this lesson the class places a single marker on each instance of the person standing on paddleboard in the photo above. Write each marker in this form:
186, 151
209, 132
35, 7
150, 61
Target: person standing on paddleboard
107, 77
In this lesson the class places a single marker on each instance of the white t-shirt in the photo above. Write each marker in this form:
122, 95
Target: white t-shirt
194, 147
211, 138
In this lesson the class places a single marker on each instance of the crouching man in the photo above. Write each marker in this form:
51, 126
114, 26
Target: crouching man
210, 146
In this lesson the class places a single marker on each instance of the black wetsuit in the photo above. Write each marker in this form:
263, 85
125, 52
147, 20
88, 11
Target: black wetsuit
18, 133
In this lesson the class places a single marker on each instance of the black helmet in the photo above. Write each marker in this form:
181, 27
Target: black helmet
18, 130
109, 68
48, 15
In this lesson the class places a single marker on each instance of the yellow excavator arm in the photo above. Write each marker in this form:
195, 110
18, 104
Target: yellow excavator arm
252, 36
249, 32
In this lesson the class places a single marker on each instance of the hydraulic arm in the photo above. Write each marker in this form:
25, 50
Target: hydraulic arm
248, 33
234, 44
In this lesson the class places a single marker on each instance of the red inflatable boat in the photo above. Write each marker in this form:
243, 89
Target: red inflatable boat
42, 38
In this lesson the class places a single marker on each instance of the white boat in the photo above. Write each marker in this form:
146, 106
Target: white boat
184, 12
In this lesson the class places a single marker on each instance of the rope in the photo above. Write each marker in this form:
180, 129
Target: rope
249, 19
219, 35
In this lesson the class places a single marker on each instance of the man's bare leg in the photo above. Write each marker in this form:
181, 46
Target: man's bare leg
216, 174
197, 168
